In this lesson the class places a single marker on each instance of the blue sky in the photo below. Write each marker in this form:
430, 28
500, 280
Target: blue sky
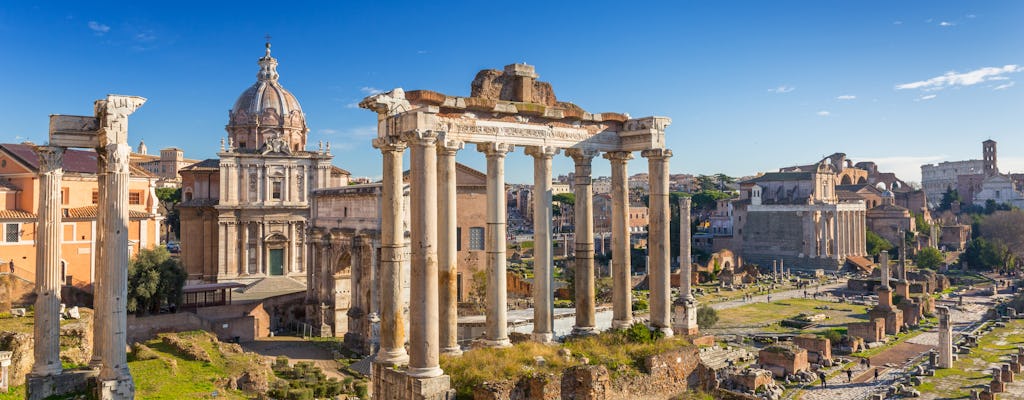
750, 86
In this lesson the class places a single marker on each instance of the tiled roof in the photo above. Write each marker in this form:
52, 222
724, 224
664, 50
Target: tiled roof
89, 212
337, 171
209, 163
783, 176
16, 214
74, 161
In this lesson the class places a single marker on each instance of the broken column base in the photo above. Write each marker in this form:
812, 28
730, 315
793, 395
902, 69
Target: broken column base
38, 387
391, 383
115, 389
685, 318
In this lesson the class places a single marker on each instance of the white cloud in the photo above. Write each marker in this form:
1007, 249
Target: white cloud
370, 91
354, 104
98, 28
946, 23
327, 131
953, 78
846, 97
823, 113
927, 97
1005, 86
971, 16
897, 22
782, 89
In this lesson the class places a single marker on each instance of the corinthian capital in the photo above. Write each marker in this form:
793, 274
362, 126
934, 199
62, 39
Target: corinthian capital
656, 153
420, 138
581, 156
618, 156
389, 143
117, 157
113, 113
447, 146
495, 149
541, 151
51, 158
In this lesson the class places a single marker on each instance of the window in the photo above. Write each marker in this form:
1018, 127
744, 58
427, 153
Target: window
65, 195
134, 198
476, 238
95, 197
12, 233
276, 195
458, 239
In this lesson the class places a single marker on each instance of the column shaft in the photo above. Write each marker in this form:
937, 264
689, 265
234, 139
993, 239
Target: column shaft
658, 240
543, 301
447, 257
685, 260
48, 280
496, 329
115, 363
101, 327
392, 324
622, 299
423, 291
584, 226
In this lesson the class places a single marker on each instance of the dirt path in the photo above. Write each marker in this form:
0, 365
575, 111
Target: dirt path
296, 349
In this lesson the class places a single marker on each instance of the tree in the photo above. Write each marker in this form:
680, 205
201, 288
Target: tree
707, 317
1006, 229
564, 198
169, 199
929, 257
983, 254
154, 280
708, 199
706, 182
876, 244
723, 180
948, 198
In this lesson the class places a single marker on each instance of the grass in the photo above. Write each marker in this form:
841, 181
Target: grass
610, 349
172, 376
765, 313
9, 323
971, 370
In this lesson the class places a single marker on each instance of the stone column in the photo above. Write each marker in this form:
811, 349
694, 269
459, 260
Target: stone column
496, 326
392, 324
543, 276
658, 248
423, 289
48, 280
584, 225
622, 299
115, 363
945, 338
260, 248
685, 307
243, 260
447, 257
100, 328
883, 263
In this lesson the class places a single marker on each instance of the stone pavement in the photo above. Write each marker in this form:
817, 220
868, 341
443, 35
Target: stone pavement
783, 295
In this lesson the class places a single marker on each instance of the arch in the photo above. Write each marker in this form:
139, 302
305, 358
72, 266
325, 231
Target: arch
188, 194
895, 185
881, 186
846, 180
344, 264
861, 180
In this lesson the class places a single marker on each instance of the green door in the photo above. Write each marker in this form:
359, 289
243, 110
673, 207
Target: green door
277, 261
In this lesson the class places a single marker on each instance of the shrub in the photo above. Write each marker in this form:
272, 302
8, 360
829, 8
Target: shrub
640, 333
706, 317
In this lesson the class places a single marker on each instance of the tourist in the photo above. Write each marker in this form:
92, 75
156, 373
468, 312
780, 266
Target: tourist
849, 375
876, 373
821, 375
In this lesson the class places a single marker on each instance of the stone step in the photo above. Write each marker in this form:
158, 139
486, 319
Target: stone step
274, 284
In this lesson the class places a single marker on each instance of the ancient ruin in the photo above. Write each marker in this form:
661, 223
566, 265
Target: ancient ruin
107, 133
506, 109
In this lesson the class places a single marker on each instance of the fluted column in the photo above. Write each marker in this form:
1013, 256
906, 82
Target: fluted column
658, 249
622, 299
115, 364
496, 325
48, 245
101, 326
685, 241
424, 347
447, 257
584, 224
543, 276
392, 324
243, 259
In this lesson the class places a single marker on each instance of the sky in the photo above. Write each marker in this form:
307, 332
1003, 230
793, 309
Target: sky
751, 86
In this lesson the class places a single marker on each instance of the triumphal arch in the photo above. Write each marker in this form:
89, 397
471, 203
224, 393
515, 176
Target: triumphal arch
506, 110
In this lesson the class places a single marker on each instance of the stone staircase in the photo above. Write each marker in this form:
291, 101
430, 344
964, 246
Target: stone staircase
717, 357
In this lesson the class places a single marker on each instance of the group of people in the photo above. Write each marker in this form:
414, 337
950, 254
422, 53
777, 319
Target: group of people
864, 362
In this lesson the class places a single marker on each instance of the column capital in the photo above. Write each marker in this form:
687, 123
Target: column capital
618, 156
495, 149
386, 144
51, 158
420, 137
685, 201
656, 153
117, 157
581, 155
448, 147
541, 151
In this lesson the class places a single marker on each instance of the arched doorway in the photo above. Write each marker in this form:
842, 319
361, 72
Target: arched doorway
276, 245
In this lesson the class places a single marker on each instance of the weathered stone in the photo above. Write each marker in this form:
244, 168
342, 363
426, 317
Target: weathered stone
783, 359
586, 383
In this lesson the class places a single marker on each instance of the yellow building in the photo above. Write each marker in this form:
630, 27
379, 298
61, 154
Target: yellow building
19, 198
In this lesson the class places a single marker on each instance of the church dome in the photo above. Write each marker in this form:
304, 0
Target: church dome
266, 111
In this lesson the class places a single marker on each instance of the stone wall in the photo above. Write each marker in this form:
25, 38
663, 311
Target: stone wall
245, 321
75, 343
871, 331
818, 348
783, 359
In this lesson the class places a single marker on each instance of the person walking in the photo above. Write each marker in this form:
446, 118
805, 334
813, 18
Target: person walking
876, 374
821, 376
849, 375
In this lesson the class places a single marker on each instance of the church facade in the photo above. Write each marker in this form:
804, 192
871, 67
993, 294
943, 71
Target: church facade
244, 215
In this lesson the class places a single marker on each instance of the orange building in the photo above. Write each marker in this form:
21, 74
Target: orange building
19, 198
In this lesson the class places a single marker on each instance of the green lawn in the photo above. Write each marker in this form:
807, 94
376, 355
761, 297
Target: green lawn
171, 376
765, 313
973, 369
